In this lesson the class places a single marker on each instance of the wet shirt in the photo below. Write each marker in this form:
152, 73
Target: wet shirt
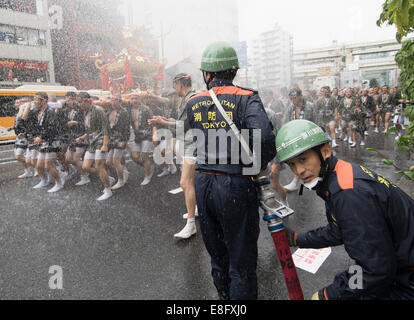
368, 103
373, 219
245, 109
386, 102
48, 125
139, 117
76, 130
119, 124
181, 116
345, 108
306, 112
325, 108
97, 126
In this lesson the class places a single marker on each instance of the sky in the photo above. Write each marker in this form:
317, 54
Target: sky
315, 23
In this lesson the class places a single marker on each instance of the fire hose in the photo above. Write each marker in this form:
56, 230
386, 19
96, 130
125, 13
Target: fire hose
274, 213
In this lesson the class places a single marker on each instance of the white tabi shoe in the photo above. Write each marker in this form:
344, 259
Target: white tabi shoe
148, 179
118, 185
106, 194
43, 183
165, 172
84, 180
58, 186
27, 174
189, 230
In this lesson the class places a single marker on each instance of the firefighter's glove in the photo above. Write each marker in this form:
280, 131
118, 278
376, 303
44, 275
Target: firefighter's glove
291, 237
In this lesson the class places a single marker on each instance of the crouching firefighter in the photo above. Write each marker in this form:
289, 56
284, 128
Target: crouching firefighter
369, 215
226, 195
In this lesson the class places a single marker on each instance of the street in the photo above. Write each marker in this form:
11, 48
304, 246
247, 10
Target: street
123, 248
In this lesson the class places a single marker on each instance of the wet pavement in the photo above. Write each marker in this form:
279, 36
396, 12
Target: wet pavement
124, 247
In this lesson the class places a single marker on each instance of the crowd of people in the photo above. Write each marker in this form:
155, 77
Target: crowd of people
85, 136
347, 114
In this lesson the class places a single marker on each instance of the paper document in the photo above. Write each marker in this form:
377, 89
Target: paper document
310, 260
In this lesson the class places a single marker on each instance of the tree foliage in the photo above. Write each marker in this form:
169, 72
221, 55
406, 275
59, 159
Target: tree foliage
401, 14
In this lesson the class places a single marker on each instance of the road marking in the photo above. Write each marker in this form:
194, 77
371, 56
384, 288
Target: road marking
11, 150
176, 191
8, 162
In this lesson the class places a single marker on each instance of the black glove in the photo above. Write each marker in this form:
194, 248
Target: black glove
291, 237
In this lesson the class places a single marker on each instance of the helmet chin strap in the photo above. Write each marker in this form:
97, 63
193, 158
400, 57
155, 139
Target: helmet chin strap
205, 80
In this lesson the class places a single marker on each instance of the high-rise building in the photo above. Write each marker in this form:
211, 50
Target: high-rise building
270, 59
25, 43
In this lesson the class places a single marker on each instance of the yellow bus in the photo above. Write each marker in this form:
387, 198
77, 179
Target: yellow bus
9, 96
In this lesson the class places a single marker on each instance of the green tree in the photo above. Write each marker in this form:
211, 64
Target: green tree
400, 13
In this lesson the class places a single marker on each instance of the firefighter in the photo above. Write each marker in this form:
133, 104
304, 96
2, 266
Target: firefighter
369, 215
226, 197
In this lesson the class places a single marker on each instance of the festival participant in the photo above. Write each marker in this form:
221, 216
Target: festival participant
345, 110
142, 145
375, 96
327, 112
76, 128
183, 86
31, 130
299, 108
21, 144
97, 137
385, 107
119, 123
369, 107
49, 144
401, 122
357, 123
167, 145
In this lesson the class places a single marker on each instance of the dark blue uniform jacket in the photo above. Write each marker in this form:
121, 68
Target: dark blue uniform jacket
374, 220
245, 108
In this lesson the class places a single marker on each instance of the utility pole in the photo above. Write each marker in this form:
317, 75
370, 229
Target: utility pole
130, 13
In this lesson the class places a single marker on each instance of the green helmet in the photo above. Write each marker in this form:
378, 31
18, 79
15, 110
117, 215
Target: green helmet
298, 136
219, 56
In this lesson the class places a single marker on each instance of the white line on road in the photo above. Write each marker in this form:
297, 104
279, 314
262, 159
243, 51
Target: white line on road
8, 162
176, 191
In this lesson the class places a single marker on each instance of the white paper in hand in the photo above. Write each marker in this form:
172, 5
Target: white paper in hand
310, 260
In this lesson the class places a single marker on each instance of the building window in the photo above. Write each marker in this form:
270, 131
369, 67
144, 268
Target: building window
42, 38
22, 36
7, 33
